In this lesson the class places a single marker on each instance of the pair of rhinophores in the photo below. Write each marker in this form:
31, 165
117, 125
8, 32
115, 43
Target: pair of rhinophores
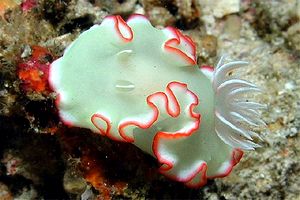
134, 83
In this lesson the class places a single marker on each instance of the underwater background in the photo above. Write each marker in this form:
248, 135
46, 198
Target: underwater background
41, 158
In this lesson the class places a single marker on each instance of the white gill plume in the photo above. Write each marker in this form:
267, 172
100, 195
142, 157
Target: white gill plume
235, 116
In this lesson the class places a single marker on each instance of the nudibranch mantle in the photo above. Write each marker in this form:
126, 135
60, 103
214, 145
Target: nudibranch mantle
134, 83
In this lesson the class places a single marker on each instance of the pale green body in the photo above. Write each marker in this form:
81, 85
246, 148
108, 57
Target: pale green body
101, 74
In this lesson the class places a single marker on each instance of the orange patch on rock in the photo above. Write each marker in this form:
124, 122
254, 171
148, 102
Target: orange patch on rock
34, 78
94, 174
34, 72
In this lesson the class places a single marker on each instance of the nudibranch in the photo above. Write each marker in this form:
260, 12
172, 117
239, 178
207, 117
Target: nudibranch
135, 83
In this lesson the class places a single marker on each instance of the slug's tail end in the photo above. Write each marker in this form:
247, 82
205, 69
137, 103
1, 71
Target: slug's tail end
235, 115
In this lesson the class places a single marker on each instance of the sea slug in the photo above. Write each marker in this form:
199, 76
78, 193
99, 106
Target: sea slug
135, 83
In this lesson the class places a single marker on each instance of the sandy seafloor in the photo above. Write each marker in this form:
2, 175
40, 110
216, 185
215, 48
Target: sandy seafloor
40, 158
